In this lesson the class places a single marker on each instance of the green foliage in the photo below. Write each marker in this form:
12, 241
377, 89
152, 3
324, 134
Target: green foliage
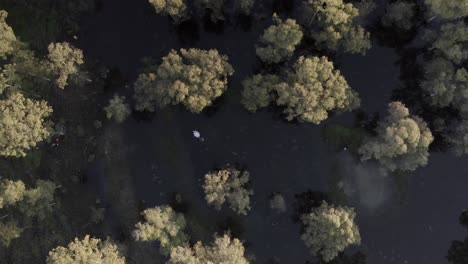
257, 92
117, 109
448, 9
177, 9
445, 84
224, 250
88, 250
312, 89
7, 36
329, 230
228, 185
399, 14
402, 142
331, 23
64, 61
164, 225
22, 124
38, 201
11, 192
279, 41
450, 40
194, 78
8, 232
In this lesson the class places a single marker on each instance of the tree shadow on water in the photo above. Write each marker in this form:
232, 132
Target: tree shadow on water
188, 32
306, 201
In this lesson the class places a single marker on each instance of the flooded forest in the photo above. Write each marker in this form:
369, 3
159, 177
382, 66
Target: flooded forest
234, 131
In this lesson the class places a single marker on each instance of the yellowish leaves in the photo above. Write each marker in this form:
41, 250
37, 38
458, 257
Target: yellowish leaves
194, 78
228, 185
64, 61
87, 250
329, 230
402, 142
164, 225
224, 250
22, 124
7, 36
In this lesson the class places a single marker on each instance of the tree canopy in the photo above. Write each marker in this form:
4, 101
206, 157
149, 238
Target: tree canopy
332, 24
224, 250
448, 9
64, 61
228, 185
164, 225
23, 124
446, 84
449, 40
279, 41
177, 9
329, 230
87, 250
194, 78
7, 36
402, 141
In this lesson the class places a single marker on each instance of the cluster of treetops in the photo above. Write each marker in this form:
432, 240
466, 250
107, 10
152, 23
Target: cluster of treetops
307, 89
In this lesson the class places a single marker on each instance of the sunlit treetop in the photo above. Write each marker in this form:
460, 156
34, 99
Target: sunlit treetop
193, 78
163, 225
7, 36
313, 88
402, 141
450, 40
279, 41
64, 61
228, 185
224, 250
23, 124
177, 9
448, 9
87, 250
11, 192
329, 230
332, 24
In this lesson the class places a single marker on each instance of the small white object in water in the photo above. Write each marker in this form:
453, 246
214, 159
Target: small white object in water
196, 134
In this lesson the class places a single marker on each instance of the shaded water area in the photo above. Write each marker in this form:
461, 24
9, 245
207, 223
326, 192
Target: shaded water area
161, 157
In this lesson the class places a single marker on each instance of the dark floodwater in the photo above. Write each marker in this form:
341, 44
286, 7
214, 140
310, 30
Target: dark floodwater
163, 157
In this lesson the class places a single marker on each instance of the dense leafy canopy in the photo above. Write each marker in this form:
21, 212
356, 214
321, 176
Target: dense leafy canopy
177, 9
7, 36
402, 141
64, 61
329, 230
228, 185
450, 40
279, 41
23, 124
446, 84
332, 24
194, 78
87, 250
447, 8
164, 225
224, 250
